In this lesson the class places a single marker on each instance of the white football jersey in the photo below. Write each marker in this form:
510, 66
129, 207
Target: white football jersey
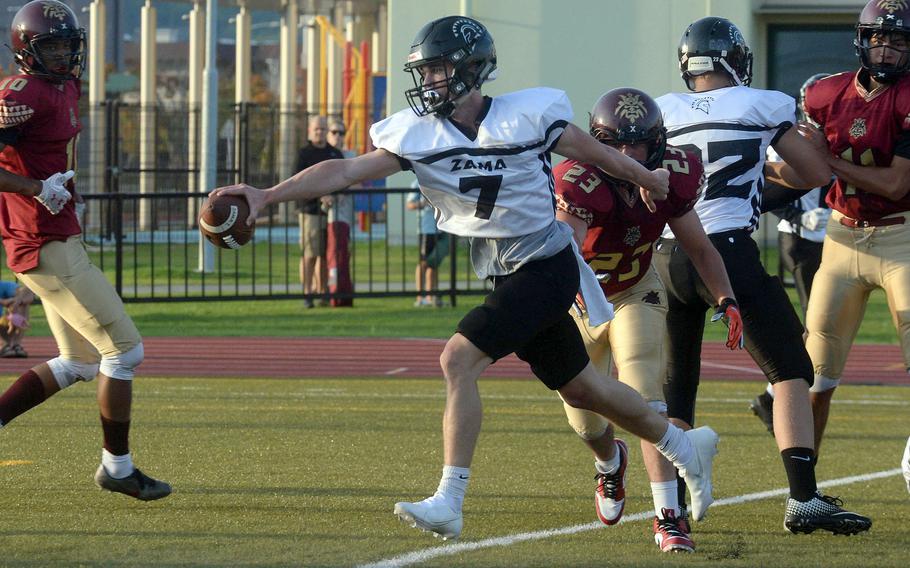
730, 129
496, 185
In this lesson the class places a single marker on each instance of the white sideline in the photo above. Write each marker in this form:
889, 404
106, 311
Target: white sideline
447, 550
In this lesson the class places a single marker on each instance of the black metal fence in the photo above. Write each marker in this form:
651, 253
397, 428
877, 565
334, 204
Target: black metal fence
151, 250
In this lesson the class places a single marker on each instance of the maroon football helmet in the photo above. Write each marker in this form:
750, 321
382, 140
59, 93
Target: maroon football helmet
42, 21
883, 17
629, 116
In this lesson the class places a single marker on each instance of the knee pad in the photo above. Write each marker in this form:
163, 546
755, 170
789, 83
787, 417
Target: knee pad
658, 406
123, 366
823, 384
67, 372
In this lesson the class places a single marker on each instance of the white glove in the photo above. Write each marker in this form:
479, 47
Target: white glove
813, 219
54, 194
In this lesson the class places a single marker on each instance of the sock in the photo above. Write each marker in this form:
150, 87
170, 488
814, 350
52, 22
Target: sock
23, 395
116, 436
800, 466
680, 491
453, 485
665, 497
675, 446
609, 466
117, 467
770, 390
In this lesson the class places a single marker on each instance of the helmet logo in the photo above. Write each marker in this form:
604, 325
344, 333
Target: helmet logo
858, 130
468, 30
630, 107
54, 10
892, 6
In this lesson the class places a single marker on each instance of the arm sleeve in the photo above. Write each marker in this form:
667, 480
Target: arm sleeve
554, 117
774, 197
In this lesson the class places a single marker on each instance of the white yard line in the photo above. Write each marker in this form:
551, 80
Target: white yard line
397, 371
750, 370
447, 550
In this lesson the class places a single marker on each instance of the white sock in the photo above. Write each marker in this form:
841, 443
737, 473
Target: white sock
453, 485
608, 467
770, 390
665, 497
117, 467
676, 447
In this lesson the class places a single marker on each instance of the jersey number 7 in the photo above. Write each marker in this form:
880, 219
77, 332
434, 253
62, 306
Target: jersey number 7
489, 189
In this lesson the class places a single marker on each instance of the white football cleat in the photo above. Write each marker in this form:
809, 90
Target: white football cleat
432, 514
905, 464
698, 472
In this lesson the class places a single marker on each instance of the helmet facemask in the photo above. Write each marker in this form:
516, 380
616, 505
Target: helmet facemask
34, 61
868, 53
428, 98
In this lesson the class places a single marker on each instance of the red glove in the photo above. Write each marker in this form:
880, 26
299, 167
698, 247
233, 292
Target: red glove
728, 311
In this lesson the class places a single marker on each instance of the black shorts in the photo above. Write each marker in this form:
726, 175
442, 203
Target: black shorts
773, 332
527, 313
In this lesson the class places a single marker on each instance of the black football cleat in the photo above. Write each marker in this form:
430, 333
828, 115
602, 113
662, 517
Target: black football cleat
763, 407
825, 513
136, 484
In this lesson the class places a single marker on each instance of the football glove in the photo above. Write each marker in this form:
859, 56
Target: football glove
728, 311
814, 219
54, 194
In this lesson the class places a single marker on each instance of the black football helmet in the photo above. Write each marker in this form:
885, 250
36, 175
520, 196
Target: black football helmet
41, 21
883, 17
629, 116
714, 44
802, 94
462, 42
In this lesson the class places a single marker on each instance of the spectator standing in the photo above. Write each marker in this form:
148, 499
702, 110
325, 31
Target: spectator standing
15, 300
433, 247
313, 219
340, 208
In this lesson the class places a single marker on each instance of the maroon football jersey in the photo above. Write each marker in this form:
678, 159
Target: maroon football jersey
46, 117
862, 127
621, 230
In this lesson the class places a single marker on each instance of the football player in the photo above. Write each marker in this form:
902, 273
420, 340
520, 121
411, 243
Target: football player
616, 233
864, 118
730, 126
38, 129
800, 235
484, 164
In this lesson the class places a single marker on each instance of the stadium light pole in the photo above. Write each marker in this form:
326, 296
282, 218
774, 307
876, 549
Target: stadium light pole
209, 143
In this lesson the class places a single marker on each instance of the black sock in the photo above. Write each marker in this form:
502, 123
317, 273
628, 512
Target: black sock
800, 466
680, 490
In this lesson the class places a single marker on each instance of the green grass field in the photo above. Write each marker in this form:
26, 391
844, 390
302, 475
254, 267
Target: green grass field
305, 473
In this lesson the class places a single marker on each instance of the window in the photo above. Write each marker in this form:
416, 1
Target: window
796, 52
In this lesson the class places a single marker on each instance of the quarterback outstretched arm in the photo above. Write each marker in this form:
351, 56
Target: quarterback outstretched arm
578, 145
318, 180
804, 165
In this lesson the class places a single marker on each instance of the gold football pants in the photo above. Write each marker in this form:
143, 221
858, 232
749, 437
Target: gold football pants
854, 263
633, 340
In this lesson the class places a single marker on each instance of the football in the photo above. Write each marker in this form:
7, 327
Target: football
223, 221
